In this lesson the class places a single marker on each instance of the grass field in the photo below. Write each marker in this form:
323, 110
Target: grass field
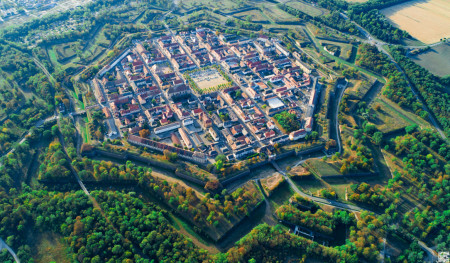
255, 15
435, 60
280, 196
345, 49
276, 14
358, 87
322, 168
393, 117
306, 8
388, 118
49, 247
425, 20
224, 5
64, 51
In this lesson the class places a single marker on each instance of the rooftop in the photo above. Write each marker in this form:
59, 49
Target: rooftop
275, 103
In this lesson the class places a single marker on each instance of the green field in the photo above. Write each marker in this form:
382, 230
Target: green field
254, 15
276, 14
391, 117
64, 51
345, 49
280, 196
224, 5
49, 247
321, 168
436, 60
306, 8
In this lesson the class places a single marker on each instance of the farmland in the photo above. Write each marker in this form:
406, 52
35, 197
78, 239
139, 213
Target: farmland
425, 20
435, 60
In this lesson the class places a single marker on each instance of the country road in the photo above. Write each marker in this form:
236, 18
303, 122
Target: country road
352, 208
3, 245
380, 46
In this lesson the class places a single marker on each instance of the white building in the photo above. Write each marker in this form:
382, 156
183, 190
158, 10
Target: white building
166, 128
295, 135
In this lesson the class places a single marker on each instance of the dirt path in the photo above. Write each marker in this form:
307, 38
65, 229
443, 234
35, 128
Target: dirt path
211, 248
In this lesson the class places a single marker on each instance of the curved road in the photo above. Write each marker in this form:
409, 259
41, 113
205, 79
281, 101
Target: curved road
379, 44
352, 208
3, 245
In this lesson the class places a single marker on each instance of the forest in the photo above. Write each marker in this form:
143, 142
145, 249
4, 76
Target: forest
432, 91
95, 233
141, 221
213, 216
333, 20
396, 88
288, 121
375, 22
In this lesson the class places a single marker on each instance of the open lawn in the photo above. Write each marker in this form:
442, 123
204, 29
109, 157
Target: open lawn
64, 52
224, 5
425, 20
254, 15
392, 117
387, 119
276, 14
306, 8
321, 168
271, 183
49, 247
280, 196
358, 87
345, 49
436, 60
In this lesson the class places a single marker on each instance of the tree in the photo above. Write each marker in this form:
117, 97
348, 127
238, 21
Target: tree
221, 157
144, 133
219, 165
212, 185
78, 227
377, 137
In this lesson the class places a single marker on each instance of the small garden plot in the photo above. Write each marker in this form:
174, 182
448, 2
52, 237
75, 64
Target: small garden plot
207, 80
269, 184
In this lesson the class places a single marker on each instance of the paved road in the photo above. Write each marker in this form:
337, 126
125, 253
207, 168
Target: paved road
338, 133
380, 45
3, 245
431, 254
352, 208
74, 172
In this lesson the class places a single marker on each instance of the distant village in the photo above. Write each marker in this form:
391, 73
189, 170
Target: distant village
201, 94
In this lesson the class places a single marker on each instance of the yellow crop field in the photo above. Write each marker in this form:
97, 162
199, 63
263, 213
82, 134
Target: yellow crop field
425, 20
